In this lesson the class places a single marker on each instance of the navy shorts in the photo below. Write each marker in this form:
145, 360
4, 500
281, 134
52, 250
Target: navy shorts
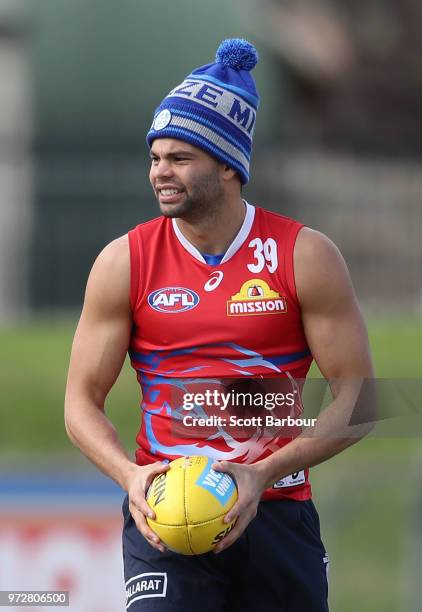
279, 564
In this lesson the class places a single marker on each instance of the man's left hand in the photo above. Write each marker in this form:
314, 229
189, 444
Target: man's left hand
250, 482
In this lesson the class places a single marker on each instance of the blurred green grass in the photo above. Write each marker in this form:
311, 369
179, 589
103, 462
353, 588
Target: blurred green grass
32, 383
364, 495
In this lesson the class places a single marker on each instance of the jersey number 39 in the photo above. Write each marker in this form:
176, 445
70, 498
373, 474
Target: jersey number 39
265, 254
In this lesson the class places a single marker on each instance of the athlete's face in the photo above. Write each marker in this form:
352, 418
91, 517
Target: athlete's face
187, 181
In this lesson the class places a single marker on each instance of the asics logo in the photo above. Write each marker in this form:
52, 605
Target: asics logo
214, 281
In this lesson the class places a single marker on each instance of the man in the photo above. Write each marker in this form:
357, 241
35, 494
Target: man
217, 289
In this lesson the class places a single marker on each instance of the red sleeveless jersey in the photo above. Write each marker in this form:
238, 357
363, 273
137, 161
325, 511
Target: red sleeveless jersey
199, 326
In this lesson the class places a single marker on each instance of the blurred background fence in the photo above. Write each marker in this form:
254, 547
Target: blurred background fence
338, 145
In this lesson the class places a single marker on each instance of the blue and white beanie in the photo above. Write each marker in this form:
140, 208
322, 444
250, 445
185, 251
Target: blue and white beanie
215, 107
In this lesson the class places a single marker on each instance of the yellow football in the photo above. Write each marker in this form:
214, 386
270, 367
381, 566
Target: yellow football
190, 501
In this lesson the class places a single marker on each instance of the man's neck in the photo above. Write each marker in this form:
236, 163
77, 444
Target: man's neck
214, 234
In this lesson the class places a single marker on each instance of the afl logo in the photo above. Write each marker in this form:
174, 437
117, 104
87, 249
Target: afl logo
173, 299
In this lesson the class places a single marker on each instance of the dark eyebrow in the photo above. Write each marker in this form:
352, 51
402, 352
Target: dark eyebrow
179, 153
183, 152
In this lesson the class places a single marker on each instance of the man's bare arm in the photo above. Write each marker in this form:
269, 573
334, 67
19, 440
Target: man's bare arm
337, 337
98, 352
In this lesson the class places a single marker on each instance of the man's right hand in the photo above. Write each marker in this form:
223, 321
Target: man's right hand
137, 484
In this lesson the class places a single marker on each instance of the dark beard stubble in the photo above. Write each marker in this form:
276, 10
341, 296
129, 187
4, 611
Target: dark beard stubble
204, 200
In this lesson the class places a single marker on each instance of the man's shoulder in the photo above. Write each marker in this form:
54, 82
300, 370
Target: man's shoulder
108, 283
320, 269
112, 266
115, 253
312, 244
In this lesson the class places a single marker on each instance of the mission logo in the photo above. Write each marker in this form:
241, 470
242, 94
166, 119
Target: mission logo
256, 298
173, 300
